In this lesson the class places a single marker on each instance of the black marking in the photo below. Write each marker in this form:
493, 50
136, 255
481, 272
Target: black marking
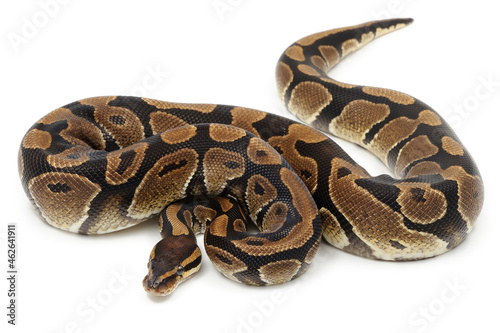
279, 150
417, 194
126, 160
255, 242
171, 167
259, 190
323, 148
232, 165
261, 153
117, 120
59, 188
250, 276
87, 112
342, 172
135, 104
279, 211
224, 259
73, 156
382, 187
195, 263
305, 174
272, 125
451, 228
397, 245
82, 110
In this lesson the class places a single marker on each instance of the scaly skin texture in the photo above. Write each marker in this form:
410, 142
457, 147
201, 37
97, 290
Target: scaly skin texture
107, 163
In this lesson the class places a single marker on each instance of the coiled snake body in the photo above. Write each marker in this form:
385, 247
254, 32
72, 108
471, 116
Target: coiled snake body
103, 164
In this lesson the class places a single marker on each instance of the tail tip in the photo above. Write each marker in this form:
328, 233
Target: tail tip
407, 20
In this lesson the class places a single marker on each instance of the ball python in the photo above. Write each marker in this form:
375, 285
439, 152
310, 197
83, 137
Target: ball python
103, 164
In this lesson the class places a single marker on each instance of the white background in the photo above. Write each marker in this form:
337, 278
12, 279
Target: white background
78, 49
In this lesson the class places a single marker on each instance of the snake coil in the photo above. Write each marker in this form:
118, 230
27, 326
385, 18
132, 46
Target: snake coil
103, 164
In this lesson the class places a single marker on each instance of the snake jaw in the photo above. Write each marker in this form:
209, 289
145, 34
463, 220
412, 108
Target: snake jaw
160, 288
165, 285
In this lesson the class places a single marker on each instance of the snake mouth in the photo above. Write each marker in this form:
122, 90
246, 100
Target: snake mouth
159, 288
166, 284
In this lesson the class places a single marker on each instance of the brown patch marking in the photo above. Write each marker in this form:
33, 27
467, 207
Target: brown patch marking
225, 133
164, 183
391, 134
219, 167
305, 167
188, 217
392, 95
127, 131
357, 118
308, 99
304, 204
178, 228
260, 152
308, 70
332, 231
57, 115
295, 52
203, 108
375, 223
244, 118
299, 234
204, 214
63, 198
352, 45
416, 149
421, 203
178, 135
330, 54
259, 193
337, 83
80, 132
397, 130
451, 146
111, 217
429, 117
319, 62
470, 188
20, 164
74, 156
219, 226
162, 121
37, 139
239, 225
470, 191
383, 31
424, 168
280, 271
225, 203
284, 76
275, 217
229, 266
115, 158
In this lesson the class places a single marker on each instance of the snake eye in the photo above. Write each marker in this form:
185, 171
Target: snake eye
180, 270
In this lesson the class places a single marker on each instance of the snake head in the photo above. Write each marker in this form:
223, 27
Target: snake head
172, 261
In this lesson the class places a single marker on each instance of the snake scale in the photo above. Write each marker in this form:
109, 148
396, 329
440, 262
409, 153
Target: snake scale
103, 164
